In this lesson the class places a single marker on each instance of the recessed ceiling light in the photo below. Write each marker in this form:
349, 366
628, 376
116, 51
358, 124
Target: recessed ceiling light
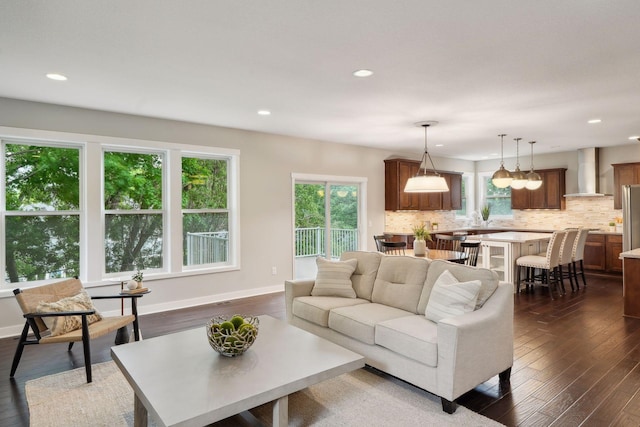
363, 73
635, 137
264, 112
593, 121
439, 145
58, 77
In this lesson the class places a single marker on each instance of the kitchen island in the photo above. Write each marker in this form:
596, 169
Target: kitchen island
631, 282
499, 251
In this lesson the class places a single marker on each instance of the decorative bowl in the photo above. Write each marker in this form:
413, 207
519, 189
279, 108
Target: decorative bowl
232, 335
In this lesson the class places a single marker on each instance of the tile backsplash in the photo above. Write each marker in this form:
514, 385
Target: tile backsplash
591, 212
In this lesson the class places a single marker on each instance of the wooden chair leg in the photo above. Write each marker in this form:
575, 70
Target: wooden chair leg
86, 347
570, 274
19, 349
584, 280
70, 346
560, 278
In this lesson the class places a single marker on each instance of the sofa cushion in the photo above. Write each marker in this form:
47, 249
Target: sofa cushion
316, 309
415, 337
366, 271
359, 321
334, 278
400, 281
451, 298
464, 273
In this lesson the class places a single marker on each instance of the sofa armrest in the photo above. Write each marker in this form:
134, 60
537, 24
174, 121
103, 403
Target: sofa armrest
296, 288
476, 346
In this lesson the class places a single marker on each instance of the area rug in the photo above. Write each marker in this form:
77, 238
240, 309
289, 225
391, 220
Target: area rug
359, 398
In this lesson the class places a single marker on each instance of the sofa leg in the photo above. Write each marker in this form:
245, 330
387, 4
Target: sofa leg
448, 406
505, 376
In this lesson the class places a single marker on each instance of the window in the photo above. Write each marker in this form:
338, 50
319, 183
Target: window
133, 219
41, 212
499, 199
205, 212
102, 209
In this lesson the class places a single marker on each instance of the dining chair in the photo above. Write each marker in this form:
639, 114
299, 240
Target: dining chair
471, 249
548, 266
378, 239
393, 248
577, 255
564, 258
62, 312
449, 242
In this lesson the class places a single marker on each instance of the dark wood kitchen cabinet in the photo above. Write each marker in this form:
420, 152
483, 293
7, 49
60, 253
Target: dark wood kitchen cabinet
398, 171
613, 249
624, 174
602, 251
594, 252
549, 196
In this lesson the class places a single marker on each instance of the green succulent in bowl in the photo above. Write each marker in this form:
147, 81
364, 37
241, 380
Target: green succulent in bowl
232, 336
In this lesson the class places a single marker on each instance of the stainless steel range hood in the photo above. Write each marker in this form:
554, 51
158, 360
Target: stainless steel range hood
588, 170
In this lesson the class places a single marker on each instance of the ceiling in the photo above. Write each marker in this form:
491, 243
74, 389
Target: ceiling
538, 70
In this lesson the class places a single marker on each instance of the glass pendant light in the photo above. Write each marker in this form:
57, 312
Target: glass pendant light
502, 177
519, 178
534, 180
426, 183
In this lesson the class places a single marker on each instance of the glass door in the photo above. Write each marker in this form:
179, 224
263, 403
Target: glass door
327, 217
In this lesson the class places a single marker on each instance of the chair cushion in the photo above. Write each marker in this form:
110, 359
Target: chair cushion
415, 337
536, 261
400, 281
451, 298
59, 325
316, 309
488, 279
366, 271
359, 321
334, 278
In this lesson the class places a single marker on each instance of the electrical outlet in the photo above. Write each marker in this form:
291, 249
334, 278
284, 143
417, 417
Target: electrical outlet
274, 270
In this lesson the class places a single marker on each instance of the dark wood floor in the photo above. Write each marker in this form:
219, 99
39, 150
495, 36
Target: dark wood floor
577, 359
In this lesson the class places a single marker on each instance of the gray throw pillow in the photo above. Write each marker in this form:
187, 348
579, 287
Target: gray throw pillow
334, 278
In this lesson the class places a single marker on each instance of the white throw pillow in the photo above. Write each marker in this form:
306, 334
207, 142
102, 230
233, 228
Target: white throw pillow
451, 298
334, 278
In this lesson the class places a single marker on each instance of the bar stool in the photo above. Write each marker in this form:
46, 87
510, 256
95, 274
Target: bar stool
548, 265
578, 255
564, 258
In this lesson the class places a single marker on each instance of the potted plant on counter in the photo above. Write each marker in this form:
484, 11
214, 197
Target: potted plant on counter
485, 212
421, 235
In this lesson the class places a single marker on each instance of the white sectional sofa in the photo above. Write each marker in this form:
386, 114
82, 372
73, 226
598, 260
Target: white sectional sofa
385, 319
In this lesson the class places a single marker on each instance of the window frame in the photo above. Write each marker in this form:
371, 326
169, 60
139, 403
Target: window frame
231, 243
92, 268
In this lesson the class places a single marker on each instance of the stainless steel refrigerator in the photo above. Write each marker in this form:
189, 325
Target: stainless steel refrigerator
630, 217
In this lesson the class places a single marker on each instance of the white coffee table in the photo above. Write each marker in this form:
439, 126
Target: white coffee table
181, 381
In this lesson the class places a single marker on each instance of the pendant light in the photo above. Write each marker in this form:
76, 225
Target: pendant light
534, 180
519, 177
502, 177
423, 183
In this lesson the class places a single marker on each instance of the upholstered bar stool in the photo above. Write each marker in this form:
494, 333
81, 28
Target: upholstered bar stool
548, 265
578, 255
566, 251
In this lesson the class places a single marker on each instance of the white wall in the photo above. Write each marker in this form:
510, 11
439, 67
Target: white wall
266, 164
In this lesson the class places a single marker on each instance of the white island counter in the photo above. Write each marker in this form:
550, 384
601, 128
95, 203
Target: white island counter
499, 251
